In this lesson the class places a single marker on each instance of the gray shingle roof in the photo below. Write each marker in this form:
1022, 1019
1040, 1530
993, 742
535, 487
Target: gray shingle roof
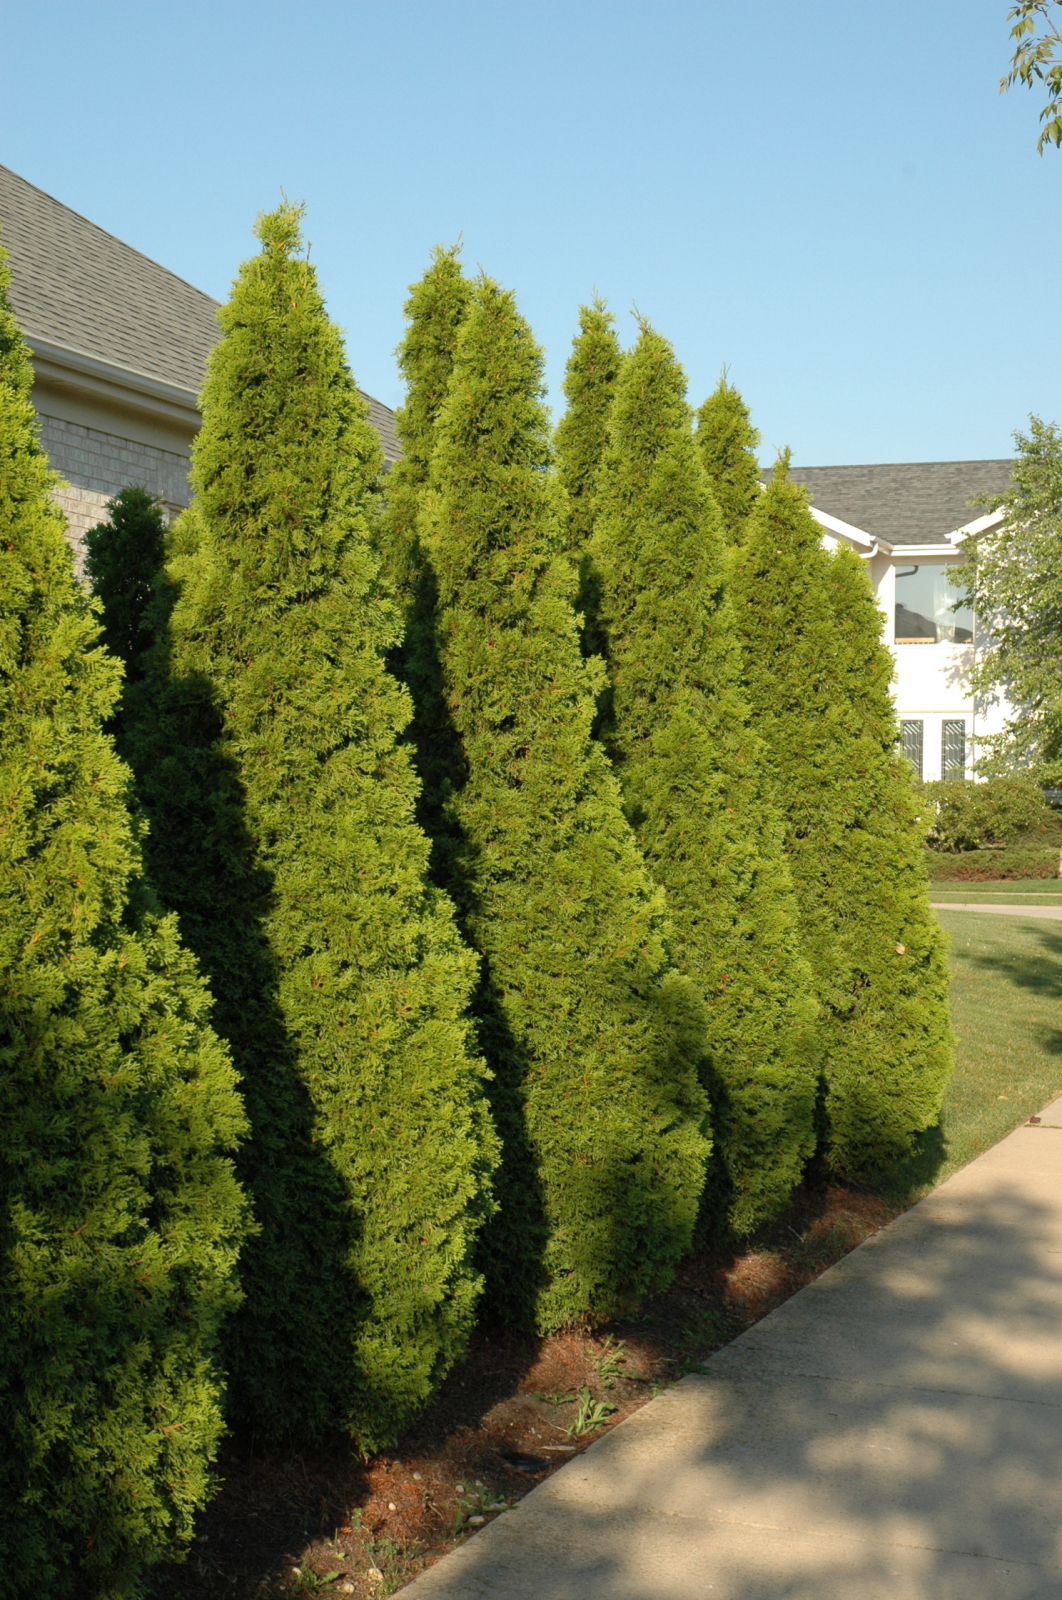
77, 286
915, 502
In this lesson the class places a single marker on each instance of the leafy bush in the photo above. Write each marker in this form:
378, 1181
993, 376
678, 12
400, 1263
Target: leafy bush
965, 815
985, 866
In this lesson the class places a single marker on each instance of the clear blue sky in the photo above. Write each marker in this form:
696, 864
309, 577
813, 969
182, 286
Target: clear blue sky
832, 198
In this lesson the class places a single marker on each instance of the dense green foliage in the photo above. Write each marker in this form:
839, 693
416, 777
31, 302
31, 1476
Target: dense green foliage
819, 681
124, 555
592, 1036
435, 310
589, 386
677, 728
120, 1215
267, 750
1013, 573
728, 443
964, 814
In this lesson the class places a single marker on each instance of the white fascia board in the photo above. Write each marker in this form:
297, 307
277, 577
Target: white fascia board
854, 536
920, 552
978, 525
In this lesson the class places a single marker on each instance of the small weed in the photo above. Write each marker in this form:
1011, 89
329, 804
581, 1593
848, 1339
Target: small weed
608, 1362
555, 1399
480, 1504
309, 1582
591, 1415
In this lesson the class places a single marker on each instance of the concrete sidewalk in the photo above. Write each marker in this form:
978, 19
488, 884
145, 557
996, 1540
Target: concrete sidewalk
893, 1432
1054, 913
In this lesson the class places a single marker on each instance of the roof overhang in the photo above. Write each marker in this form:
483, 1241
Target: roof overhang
88, 378
867, 546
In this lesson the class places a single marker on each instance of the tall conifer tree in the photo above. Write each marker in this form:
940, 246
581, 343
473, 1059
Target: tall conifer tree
120, 1214
677, 728
819, 680
589, 386
592, 1036
436, 307
728, 443
281, 804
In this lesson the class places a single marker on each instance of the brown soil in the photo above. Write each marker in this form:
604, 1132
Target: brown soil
323, 1521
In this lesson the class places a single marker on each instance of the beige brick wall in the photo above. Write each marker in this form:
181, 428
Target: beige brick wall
96, 465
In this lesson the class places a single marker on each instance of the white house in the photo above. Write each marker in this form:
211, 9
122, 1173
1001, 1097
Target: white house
119, 347
907, 522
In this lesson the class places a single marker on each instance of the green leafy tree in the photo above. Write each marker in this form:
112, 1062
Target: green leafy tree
592, 1036
589, 385
728, 443
282, 828
819, 681
677, 728
120, 1214
124, 556
1034, 61
1013, 573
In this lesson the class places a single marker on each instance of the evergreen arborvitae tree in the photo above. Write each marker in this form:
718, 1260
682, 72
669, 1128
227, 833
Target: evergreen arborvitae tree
281, 806
436, 307
592, 1036
435, 310
123, 558
589, 385
819, 680
120, 1214
728, 443
677, 728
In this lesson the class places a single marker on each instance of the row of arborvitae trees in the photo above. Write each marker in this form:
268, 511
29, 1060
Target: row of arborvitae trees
537, 829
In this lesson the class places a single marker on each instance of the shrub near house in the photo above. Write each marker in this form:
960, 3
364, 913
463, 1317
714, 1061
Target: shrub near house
998, 829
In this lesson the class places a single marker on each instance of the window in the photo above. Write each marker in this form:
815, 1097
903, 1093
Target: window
953, 750
911, 740
929, 609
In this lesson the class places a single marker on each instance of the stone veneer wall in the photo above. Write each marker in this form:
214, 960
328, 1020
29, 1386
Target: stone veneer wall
96, 465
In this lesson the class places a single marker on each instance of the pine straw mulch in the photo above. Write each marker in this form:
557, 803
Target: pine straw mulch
325, 1522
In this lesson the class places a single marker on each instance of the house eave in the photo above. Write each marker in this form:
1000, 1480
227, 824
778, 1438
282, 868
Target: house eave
85, 376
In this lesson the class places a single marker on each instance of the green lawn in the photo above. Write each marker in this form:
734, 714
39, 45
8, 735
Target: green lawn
1006, 1003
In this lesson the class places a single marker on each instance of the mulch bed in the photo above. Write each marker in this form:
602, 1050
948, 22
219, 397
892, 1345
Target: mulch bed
323, 1521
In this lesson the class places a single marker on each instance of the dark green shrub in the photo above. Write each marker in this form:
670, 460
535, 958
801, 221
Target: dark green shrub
677, 728
965, 815
120, 1215
819, 679
985, 866
728, 442
281, 805
592, 1036
123, 558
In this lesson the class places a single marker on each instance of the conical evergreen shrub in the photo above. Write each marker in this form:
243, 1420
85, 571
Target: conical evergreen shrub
589, 387
123, 558
819, 681
435, 310
728, 443
281, 805
120, 1214
677, 728
592, 1036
